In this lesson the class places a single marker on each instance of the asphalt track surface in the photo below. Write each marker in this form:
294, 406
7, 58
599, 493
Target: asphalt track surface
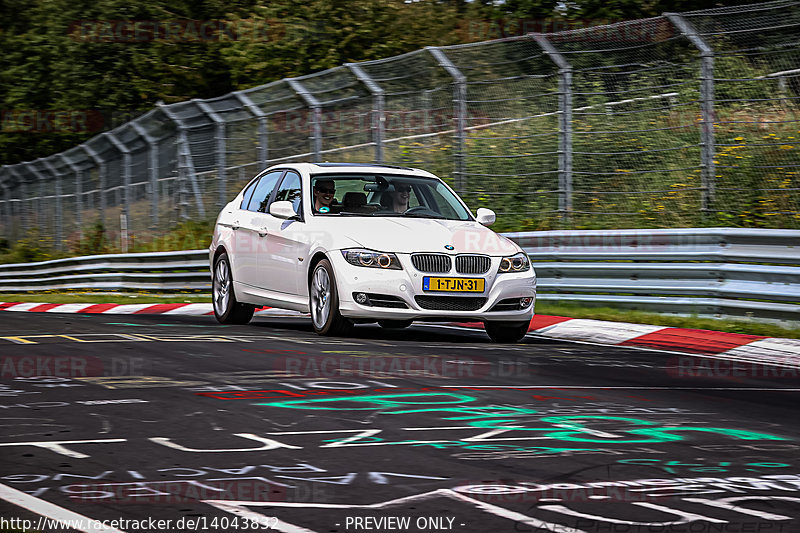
136, 419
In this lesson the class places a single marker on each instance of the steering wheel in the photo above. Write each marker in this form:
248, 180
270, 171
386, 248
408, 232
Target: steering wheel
417, 209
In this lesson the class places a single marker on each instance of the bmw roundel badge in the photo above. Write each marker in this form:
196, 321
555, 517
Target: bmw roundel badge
449, 247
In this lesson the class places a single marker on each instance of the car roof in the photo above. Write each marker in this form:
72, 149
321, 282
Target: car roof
332, 167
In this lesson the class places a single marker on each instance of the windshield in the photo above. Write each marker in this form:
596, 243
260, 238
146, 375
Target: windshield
384, 195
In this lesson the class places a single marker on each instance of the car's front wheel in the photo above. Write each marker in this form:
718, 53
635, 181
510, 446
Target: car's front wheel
226, 308
507, 331
324, 302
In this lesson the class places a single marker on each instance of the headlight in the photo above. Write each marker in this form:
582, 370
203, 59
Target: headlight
368, 258
514, 263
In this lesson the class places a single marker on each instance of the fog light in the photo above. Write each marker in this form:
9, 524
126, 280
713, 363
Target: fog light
361, 298
525, 302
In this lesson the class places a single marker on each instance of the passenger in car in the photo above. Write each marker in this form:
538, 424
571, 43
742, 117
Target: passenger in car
323, 195
400, 196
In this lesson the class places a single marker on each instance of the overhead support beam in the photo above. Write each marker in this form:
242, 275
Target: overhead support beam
316, 111
460, 110
565, 187
378, 118
261, 116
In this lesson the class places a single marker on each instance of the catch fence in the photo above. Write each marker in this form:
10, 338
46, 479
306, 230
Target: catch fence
682, 120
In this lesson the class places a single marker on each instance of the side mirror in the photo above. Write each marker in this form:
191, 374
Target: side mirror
486, 216
283, 209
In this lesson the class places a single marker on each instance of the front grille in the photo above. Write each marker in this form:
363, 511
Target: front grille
433, 263
386, 300
473, 264
450, 303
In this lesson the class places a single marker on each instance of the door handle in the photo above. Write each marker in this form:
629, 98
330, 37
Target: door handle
263, 233
235, 225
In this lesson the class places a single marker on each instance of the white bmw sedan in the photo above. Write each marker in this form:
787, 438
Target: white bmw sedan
352, 243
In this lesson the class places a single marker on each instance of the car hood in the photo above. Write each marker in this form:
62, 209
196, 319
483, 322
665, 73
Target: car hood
407, 235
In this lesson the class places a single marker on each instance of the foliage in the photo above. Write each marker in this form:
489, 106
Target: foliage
30, 248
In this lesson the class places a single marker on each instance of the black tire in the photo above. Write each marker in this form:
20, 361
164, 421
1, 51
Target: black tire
507, 331
324, 302
395, 324
226, 308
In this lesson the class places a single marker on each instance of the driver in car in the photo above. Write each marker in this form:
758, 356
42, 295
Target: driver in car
323, 195
400, 196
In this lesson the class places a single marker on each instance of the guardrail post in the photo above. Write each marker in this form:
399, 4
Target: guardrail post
263, 138
78, 193
101, 179
564, 125
378, 122
316, 111
126, 179
186, 170
707, 142
219, 138
152, 156
59, 206
460, 108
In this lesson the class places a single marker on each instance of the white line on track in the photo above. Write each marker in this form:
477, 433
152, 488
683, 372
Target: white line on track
598, 387
52, 511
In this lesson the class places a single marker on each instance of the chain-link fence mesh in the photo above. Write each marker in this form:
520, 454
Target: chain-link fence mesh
675, 121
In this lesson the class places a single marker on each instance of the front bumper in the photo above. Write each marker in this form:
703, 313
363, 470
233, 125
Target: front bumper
406, 284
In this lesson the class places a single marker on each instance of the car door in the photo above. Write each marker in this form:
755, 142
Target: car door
287, 242
250, 236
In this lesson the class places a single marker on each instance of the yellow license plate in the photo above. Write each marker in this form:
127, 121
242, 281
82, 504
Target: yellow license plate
453, 284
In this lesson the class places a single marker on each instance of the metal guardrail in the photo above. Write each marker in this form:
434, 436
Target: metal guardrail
152, 271
722, 272
704, 271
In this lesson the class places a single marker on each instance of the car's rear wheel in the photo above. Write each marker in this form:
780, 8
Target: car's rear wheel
324, 302
226, 308
507, 331
395, 324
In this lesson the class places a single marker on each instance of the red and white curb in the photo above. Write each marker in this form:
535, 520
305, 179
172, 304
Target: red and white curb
731, 346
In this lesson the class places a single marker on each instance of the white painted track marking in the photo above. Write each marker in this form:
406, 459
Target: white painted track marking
52, 511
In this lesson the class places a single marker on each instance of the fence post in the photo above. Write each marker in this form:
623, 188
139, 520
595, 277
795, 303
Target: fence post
564, 125
78, 193
6, 203
460, 107
185, 165
153, 164
378, 122
59, 206
263, 138
126, 179
101, 179
707, 142
219, 134
23, 196
42, 209
316, 110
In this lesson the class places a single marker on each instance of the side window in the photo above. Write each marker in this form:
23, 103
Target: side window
248, 194
262, 191
290, 190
